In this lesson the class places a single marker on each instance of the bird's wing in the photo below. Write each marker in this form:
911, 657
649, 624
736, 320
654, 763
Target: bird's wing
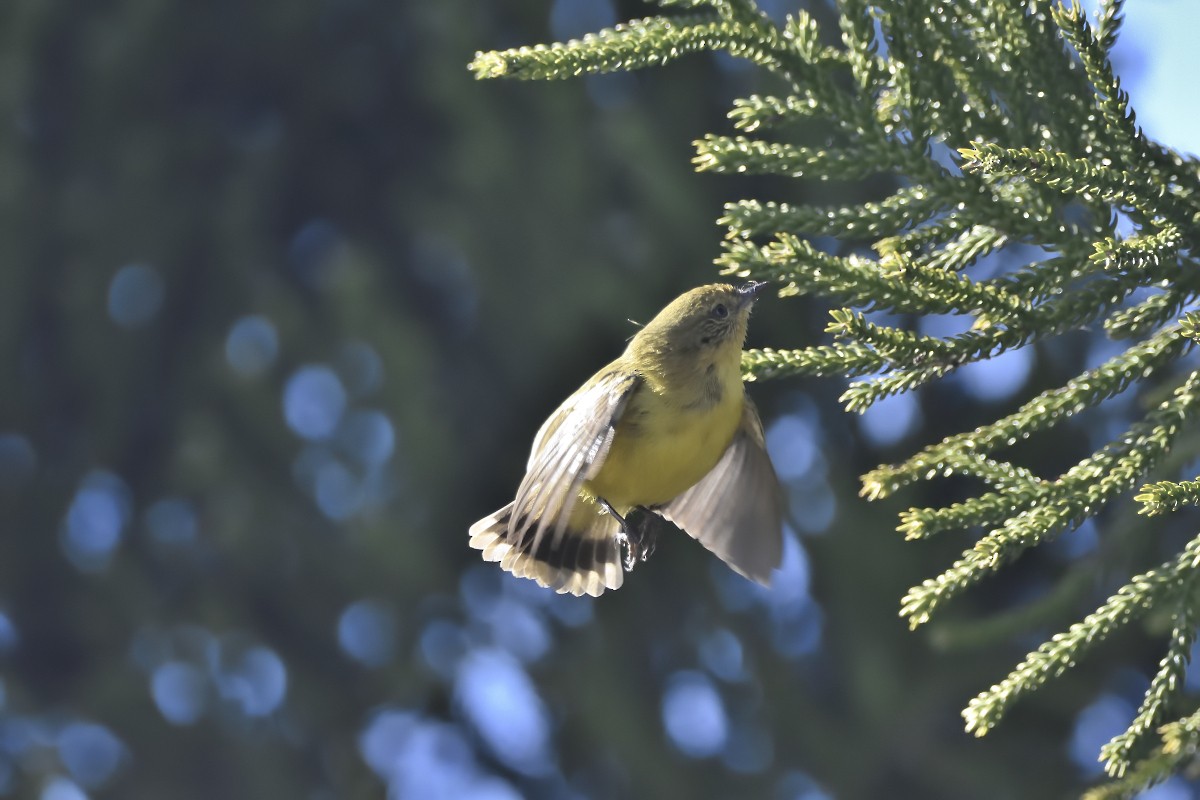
588, 561
736, 510
569, 449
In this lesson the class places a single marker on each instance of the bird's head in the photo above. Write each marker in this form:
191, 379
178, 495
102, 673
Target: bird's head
703, 324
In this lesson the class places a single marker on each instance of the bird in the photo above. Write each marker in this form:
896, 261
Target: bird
665, 429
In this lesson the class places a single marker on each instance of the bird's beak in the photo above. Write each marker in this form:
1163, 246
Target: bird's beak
748, 292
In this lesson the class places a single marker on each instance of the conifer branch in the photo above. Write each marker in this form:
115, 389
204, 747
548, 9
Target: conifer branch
1041, 513
1065, 649
635, 45
1140, 255
1165, 496
858, 35
1119, 753
973, 244
738, 154
1189, 325
1182, 737
924, 238
1000, 475
1044, 411
851, 359
909, 81
1112, 100
755, 113
888, 217
864, 282
1152, 769
1076, 176
1108, 24
1156, 310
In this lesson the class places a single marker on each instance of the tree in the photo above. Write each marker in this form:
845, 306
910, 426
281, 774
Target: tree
1024, 202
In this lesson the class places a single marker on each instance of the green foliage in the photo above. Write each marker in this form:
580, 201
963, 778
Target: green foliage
1113, 215
1170, 582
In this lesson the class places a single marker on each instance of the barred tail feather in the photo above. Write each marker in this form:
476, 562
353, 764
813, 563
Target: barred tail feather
585, 560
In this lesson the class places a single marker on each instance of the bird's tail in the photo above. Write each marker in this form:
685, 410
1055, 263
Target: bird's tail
586, 559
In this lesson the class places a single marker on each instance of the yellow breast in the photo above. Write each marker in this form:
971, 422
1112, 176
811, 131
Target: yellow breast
668, 439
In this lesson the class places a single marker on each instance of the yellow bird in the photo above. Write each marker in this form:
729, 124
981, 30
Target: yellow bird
666, 427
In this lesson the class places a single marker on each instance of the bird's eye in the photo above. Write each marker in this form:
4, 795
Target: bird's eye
719, 311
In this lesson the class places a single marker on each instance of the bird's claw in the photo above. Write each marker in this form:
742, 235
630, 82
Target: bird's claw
637, 535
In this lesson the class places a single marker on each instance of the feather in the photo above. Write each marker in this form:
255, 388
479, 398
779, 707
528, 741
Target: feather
736, 510
568, 450
587, 560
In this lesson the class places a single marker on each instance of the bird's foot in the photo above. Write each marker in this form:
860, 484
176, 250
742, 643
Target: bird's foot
637, 536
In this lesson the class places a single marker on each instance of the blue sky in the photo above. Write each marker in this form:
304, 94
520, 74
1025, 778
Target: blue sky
1156, 59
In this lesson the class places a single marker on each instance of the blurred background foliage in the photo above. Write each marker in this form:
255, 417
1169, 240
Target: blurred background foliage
285, 295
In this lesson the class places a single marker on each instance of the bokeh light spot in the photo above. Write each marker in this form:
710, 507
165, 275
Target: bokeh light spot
519, 629
796, 630
384, 736
313, 402
721, 654
442, 645
735, 592
387, 744
251, 346
95, 521
62, 789
693, 715
1191, 680
997, 378
257, 684
9, 638
499, 699
889, 420
339, 494
1174, 788
368, 437
943, 326
179, 691
1077, 543
480, 589
790, 584
422, 759
1106, 717
135, 295
91, 752
817, 499
792, 443
798, 786
367, 633
570, 610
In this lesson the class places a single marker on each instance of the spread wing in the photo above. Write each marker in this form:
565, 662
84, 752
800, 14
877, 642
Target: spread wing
569, 449
736, 510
